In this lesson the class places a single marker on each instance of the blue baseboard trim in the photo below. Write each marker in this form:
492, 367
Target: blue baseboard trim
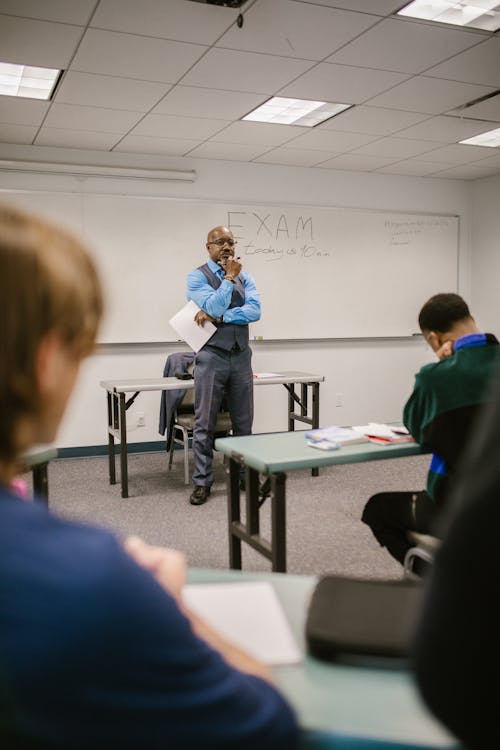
86, 451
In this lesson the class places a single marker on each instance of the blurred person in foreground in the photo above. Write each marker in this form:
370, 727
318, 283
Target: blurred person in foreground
457, 653
96, 646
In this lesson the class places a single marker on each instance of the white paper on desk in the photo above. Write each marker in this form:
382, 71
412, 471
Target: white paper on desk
249, 614
380, 429
184, 325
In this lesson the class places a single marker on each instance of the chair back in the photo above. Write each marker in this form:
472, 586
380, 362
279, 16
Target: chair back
186, 406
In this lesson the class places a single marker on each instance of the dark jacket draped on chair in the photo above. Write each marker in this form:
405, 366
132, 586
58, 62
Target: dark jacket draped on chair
175, 363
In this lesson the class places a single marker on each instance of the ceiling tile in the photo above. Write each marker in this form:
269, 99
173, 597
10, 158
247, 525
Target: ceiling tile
192, 101
342, 83
22, 111
460, 153
257, 132
465, 172
132, 56
396, 148
175, 19
109, 91
373, 120
28, 42
331, 140
145, 145
170, 126
488, 110
444, 129
354, 162
72, 117
229, 151
492, 160
380, 7
63, 11
404, 46
413, 167
481, 64
280, 27
76, 139
432, 95
296, 157
244, 71
17, 133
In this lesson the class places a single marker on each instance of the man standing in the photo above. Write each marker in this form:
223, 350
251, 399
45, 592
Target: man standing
439, 414
227, 297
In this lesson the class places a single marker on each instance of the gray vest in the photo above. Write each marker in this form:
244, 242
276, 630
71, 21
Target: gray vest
228, 334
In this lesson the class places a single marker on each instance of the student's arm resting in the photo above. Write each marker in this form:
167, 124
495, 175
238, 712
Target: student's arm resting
250, 311
168, 567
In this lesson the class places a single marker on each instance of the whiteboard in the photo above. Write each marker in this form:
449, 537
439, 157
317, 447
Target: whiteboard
322, 272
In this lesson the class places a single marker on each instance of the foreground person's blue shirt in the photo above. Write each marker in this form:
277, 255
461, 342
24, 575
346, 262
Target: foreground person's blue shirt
94, 653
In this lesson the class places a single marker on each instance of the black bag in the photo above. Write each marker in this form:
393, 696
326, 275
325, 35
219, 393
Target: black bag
351, 617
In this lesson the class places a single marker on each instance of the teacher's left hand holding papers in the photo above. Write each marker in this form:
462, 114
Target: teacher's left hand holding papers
201, 318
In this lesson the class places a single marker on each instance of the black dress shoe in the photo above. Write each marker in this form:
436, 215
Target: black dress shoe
199, 495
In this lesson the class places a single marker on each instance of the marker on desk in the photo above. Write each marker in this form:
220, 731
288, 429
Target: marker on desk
258, 338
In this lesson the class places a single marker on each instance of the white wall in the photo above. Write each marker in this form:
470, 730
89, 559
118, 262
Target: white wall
485, 275
373, 376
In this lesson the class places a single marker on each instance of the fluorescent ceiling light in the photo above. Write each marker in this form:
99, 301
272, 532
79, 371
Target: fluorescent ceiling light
184, 175
480, 14
303, 112
491, 138
26, 81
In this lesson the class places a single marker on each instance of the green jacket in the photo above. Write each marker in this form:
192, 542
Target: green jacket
445, 401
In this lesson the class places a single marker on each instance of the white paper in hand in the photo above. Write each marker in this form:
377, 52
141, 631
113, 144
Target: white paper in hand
184, 325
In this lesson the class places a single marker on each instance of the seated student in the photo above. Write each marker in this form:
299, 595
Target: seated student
439, 414
456, 653
96, 647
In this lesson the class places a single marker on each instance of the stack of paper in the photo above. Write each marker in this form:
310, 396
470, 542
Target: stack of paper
250, 615
379, 432
185, 326
331, 438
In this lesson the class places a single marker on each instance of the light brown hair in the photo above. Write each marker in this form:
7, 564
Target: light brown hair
48, 283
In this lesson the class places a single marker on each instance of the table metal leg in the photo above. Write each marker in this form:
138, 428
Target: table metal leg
252, 501
41, 482
315, 406
233, 508
123, 446
111, 440
291, 405
278, 523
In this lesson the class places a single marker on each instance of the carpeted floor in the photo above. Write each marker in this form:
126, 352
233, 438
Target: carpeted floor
324, 533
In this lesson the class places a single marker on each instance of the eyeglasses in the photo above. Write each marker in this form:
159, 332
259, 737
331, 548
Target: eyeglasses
222, 242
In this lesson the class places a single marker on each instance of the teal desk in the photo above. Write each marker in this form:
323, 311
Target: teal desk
303, 406
341, 706
275, 454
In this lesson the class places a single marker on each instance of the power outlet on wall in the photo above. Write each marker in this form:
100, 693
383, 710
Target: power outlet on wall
141, 419
339, 399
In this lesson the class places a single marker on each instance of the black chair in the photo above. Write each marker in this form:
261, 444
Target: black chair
424, 549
